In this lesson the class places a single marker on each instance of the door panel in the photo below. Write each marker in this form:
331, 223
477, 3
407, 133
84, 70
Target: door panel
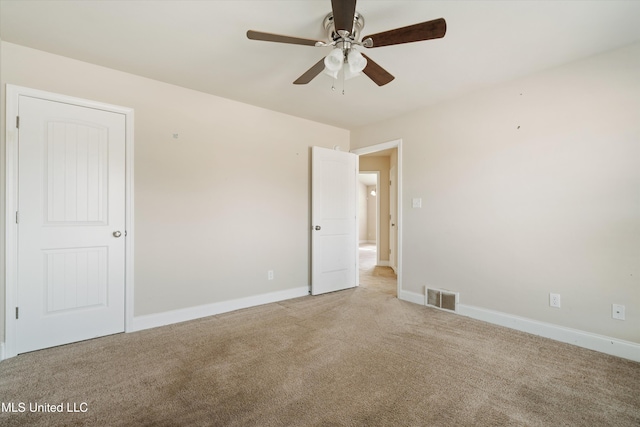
78, 194
71, 199
75, 278
333, 212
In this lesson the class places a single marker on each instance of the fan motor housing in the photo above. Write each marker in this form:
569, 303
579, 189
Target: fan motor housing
329, 26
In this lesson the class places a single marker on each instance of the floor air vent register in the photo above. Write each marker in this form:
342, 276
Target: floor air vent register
442, 298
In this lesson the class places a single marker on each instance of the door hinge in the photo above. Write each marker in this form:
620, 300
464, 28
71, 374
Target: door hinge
16, 312
17, 218
17, 122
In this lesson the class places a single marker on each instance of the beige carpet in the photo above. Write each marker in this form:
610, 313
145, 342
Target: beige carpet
382, 279
359, 357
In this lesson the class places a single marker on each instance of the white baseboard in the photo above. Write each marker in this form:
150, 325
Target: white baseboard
411, 297
1, 350
182, 315
600, 343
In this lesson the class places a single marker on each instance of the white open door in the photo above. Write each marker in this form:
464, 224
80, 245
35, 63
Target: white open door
71, 219
334, 244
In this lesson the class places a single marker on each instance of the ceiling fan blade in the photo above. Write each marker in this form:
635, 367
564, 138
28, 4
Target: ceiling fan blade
413, 33
268, 37
310, 74
379, 75
343, 13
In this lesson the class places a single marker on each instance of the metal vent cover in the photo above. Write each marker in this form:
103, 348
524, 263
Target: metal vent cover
442, 298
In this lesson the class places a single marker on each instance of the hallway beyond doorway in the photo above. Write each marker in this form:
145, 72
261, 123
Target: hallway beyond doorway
375, 277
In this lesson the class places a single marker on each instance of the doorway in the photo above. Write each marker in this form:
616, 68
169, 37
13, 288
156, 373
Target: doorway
379, 254
369, 209
373, 272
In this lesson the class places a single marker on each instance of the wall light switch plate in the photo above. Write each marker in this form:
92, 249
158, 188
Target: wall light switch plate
417, 202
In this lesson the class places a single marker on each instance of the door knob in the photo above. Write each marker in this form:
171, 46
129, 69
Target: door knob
318, 227
117, 234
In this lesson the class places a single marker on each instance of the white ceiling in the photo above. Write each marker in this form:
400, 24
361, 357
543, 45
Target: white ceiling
202, 45
368, 178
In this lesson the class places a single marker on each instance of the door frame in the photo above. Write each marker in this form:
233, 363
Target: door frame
397, 143
393, 237
13, 94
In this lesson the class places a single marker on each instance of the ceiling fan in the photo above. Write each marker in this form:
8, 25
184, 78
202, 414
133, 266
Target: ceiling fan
343, 26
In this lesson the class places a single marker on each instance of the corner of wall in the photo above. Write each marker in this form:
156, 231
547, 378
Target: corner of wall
411, 297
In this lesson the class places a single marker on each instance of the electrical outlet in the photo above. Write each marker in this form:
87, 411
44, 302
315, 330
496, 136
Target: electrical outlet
554, 300
617, 311
270, 275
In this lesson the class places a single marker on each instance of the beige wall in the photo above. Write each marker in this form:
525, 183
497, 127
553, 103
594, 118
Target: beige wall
380, 164
527, 188
214, 209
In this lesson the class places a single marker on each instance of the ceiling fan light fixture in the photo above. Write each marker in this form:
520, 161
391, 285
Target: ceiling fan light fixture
343, 26
349, 74
331, 73
334, 61
356, 61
